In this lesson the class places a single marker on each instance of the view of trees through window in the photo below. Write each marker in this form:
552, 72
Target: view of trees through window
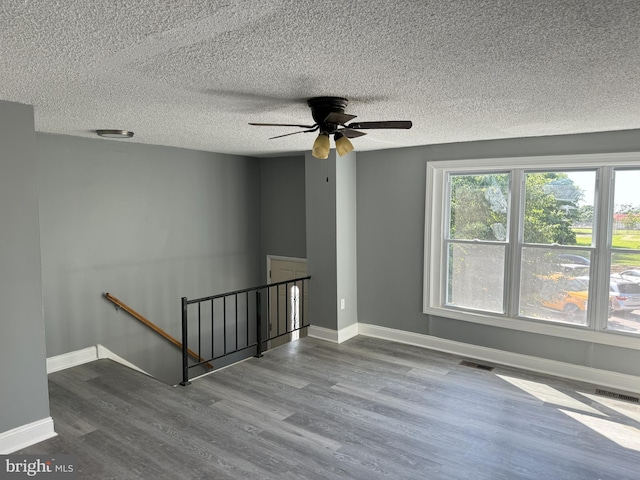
479, 215
555, 244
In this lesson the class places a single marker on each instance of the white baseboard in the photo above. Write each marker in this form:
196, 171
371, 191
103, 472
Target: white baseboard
333, 336
71, 359
104, 352
322, 333
26, 435
346, 333
605, 378
86, 355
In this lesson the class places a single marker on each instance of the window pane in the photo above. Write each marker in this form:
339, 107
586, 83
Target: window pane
624, 295
550, 288
626, 216
559, 207
476, 276
479, 207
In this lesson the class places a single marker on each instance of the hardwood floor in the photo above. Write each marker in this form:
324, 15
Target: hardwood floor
365, 409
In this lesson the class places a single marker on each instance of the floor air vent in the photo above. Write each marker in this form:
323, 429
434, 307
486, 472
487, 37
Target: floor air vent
619, 396
476, 365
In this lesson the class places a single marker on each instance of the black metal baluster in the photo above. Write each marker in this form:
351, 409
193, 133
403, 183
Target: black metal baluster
185, 349
199, 333
236, 296
246, 301
224, 324
212, 330
302, 317
258, 325
269, 319
287, 294
296, 307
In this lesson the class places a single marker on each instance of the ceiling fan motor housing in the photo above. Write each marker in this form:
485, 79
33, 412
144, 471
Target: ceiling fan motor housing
321, 107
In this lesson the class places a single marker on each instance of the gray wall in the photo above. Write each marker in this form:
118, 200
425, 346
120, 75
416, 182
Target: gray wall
320, 195
331, 240
147, 224
391, 198
391, 238
282, 206
23, 380
346, 245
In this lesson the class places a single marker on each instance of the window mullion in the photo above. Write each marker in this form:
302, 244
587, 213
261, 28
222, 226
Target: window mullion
445, 233
600, 268
514, 244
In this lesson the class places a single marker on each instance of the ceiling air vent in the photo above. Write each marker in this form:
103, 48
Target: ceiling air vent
619, 396
466, 363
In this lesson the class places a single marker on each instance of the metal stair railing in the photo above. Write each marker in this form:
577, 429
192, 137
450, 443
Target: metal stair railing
242, 318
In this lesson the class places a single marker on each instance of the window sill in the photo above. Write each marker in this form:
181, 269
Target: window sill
585, 334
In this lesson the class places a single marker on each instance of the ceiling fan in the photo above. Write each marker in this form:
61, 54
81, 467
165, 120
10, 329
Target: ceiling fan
330, 119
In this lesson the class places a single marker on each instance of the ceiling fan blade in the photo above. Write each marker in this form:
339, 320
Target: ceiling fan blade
350, 133
338, 118
294, 133
281, 125
405, 124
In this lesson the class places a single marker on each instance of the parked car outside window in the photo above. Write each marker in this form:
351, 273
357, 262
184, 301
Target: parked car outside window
627, 296
574, 269
624, 296
571, 258
630, 275
570, 296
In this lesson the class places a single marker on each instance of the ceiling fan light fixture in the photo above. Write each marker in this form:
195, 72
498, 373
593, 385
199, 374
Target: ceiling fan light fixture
321, 146
343, 144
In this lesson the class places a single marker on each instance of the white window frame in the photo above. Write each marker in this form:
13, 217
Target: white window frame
436, 201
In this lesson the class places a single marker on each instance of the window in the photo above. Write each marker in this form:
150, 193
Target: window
552, 243
475, 241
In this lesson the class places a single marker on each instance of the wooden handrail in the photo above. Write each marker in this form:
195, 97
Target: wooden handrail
153, 327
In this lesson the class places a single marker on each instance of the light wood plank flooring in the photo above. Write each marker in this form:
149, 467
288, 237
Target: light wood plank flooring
365, 409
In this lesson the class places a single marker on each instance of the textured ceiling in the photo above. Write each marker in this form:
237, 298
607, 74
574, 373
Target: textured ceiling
193, 73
